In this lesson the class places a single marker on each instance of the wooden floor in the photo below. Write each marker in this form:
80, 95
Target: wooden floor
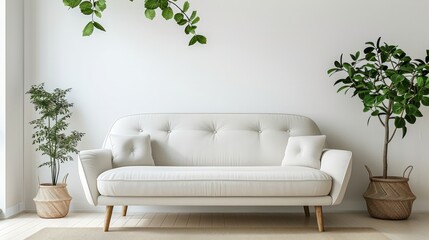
24, 225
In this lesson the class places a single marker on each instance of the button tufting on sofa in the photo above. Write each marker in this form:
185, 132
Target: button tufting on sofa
195, 167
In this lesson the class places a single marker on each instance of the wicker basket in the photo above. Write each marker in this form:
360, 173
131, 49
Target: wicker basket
389, 198
52, 201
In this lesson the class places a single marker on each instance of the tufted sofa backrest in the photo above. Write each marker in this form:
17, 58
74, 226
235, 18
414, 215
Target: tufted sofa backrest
216, 139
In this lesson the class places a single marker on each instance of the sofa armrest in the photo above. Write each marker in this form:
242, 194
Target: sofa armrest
91, 164
338, 164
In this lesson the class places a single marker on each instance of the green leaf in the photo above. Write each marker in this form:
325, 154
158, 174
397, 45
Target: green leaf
332, 70
178, 17
193, 15
410, 119
399, 122
196, 20
100, 5
369, 100
188, 29
85, 5
421, 81
368, 50
375, 113
390, 72
418, 114
193, 40
384, 57
98, 14
72, 3
397, 108
86, 8
182, 22
185, 6
379, 99
425, 101
163, 4
404, 131
337, 64
89, 29
396, 78
201, 39
378, 42
370, 43
339, 81
98, 26
342, 88
87, 11
151, 4
150, 13
370, 57
411, 109
167, 13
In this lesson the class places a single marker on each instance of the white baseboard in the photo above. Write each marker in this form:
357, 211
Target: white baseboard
12, 211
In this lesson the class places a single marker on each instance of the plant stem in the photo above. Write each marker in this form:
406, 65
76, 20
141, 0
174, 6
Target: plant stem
386, 137
56, 149
58, 170
52, 165
186, 15
93, 9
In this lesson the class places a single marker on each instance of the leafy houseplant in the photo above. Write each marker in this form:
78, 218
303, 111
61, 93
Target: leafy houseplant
52, 140
95, 8
392, 87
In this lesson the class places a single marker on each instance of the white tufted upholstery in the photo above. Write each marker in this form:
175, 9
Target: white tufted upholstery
224, 144
216, 139
215, 160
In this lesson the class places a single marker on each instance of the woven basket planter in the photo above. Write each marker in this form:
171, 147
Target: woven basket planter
390, 198
52, 201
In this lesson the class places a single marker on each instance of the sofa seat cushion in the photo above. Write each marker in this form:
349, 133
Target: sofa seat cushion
214, 181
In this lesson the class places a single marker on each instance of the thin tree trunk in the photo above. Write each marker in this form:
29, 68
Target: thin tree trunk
386, 138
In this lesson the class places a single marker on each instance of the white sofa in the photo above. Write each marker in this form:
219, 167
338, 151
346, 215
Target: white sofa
214, 160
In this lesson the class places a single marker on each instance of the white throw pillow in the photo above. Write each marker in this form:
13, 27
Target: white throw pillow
131, 150
304, 151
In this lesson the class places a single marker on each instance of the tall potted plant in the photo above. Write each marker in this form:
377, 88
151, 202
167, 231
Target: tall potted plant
392, 87
52, 139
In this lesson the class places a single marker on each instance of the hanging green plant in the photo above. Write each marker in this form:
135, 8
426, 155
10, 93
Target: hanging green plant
95, 8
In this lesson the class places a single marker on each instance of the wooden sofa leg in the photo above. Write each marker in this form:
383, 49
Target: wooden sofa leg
124, 210
109, 210
319, 216
306, 211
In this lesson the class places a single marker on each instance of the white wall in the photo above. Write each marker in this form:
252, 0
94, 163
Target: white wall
11, 107
268, 56
2, 103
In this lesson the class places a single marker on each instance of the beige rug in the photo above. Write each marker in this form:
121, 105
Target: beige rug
207, 234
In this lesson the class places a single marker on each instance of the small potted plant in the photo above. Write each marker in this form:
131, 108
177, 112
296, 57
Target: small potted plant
392, 87
52, 139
